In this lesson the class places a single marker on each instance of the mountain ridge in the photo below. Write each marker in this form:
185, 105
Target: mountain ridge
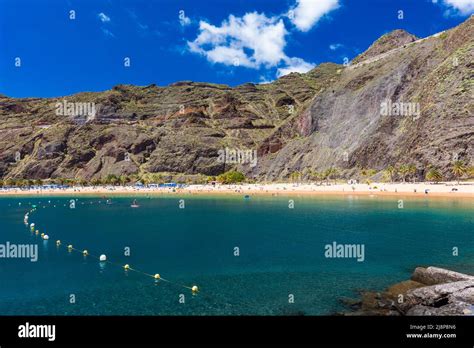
329, 116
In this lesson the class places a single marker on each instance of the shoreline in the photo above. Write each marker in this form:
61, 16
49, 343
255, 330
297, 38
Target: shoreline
442, 190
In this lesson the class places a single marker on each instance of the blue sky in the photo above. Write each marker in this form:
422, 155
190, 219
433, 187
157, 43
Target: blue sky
46, 50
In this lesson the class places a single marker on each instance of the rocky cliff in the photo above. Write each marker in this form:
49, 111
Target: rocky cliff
404, 100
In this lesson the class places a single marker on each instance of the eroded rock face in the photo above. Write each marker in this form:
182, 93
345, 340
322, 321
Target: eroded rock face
330, 116
346, 126
179, 128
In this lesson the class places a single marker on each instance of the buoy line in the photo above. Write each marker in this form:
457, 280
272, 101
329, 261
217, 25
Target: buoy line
103, 258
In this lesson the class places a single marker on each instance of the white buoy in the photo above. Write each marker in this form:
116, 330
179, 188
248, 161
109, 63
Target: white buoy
103, 258
45, 237
32, 225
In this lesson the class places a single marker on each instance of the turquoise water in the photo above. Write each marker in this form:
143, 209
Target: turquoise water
281, 252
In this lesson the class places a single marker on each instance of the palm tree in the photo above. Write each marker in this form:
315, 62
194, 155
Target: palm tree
82, 182
317, 176
306, 174
123, 179
96, 182
390, 171
134, 178
458, 169
404, 170
327, 175
211, 179
22, 182
470, 171
434, 175
331, 173
412, 171
335, 174
157, 178
324, 176
371, 172
38, 182
145, 179
10, 182
111, 179
295, 176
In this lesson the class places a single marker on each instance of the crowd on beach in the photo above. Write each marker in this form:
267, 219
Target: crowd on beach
445, 188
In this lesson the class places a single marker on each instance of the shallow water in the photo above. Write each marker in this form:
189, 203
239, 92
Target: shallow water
281, 252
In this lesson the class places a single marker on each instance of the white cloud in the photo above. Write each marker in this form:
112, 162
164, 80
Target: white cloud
255, 40
103, 17
184, 21
251, 41
107, 32
335, 46
229, 56
141, 27
294, 65
308, 12
464, 7
264, 80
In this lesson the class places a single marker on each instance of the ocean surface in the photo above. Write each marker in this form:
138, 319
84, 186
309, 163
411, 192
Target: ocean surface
281, 252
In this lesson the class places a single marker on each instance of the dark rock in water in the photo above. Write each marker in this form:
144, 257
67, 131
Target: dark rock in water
353, 304
415, 298
435, 275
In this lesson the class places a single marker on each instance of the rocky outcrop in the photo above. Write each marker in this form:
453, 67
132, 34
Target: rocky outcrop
435, 275
385, 43
432, 291
455, 298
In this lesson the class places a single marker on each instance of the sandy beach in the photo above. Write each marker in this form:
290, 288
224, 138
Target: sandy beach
445, 189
